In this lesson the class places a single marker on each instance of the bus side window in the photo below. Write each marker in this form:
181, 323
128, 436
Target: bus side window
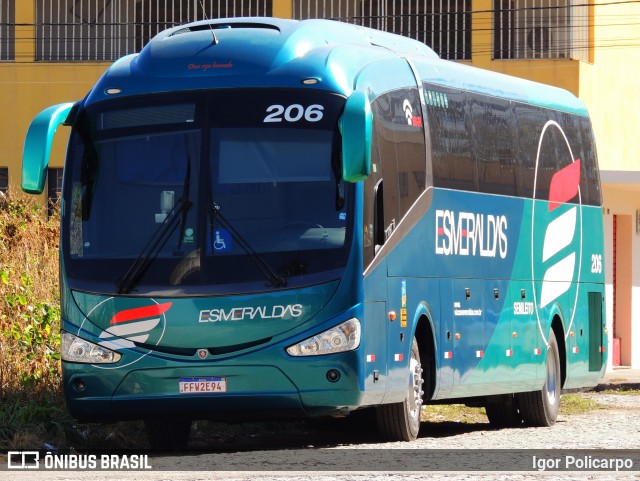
528, 133
379, 236
371, 200
590, 162
449, 113
493, 141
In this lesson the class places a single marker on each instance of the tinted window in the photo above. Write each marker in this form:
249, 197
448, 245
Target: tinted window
493, 137
590, 162
528, 127
454, 166
399, 157
384, 125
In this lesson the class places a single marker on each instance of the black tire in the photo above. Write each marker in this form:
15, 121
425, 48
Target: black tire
541, 408
401, 421
504, 414
168, 434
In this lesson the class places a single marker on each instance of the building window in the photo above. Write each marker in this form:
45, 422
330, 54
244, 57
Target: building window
4, 179
7, 30
54, 189
105, 30
443, 25
541, 29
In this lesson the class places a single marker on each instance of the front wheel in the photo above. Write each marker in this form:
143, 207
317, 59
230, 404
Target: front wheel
541, 408
401, 421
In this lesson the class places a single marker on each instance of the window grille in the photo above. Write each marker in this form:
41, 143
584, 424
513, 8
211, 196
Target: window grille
540, 29
104, 30
54, 189
443, 25
7, 30
4, 179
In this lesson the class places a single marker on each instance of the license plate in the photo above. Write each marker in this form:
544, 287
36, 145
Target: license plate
197, 385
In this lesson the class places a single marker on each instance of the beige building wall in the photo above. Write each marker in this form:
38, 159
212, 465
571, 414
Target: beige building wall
609, 88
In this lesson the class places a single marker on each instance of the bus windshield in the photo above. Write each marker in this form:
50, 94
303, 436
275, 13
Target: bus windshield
206, 192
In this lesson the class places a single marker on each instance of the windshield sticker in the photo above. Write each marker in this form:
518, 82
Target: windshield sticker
342, 216
221, 240
188, 236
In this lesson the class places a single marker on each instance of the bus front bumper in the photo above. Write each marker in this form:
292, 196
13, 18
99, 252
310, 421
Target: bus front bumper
248, 391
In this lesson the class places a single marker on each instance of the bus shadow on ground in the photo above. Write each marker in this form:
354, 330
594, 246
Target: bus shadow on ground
359, 429
320, 433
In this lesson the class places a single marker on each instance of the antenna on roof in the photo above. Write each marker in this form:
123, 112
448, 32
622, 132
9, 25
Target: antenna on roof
213, 34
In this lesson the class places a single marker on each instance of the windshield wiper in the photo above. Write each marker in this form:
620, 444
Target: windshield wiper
272, 275
176, 216
154, 246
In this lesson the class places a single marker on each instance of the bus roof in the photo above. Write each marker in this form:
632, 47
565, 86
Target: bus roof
271, 52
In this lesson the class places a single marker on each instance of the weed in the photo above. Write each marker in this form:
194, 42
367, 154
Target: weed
31, 403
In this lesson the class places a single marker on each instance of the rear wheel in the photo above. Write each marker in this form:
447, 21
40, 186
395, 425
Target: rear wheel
541, 408
168, 434
401, 421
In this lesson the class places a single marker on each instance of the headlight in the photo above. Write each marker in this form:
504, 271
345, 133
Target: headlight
75, 349
344, 337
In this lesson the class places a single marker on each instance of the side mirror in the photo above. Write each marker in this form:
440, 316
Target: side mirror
355, 127
37, 146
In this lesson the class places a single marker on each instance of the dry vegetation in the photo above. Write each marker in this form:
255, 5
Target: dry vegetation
31, 403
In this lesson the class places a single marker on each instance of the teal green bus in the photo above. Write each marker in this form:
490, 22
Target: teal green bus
273, 218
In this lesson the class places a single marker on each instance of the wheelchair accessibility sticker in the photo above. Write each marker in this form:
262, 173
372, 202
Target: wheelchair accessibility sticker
221, 240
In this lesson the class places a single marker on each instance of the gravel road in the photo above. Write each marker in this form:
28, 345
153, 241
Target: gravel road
616, 426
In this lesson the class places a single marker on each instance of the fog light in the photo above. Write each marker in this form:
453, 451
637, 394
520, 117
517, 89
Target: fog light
79, 385
333, 375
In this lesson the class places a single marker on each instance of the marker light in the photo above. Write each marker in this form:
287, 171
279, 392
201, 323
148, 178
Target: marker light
75, 349
341, 338
113, 91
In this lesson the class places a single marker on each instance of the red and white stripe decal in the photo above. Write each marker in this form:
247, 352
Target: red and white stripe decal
371, 358
398, 357
509, 352
564, 185
140, 313
448, 355
603, 349
479, 353
123, 332
576, 350
537, 351
560, 232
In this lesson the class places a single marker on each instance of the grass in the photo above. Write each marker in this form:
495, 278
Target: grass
577, 404
569, 404
453, 413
